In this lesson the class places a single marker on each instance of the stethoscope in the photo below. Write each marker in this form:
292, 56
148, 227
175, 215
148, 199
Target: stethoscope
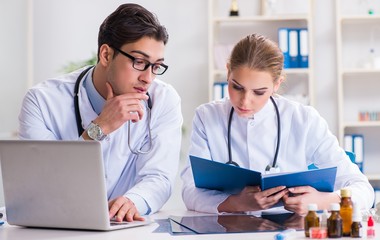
79, 118
270, 169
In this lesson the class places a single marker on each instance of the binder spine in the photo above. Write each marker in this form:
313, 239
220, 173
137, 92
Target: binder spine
355, 143
225, 90
283, 43
218, 91
293, 48
304, 48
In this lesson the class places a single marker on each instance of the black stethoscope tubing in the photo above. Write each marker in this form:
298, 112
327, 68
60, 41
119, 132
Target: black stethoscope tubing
76, 101
274, 164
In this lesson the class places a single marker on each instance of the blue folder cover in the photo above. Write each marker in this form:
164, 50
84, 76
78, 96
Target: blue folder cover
228, 178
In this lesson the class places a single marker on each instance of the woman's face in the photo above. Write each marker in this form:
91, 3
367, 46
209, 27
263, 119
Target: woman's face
250, 90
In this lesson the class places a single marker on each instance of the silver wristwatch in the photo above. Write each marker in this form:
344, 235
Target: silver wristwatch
95, 132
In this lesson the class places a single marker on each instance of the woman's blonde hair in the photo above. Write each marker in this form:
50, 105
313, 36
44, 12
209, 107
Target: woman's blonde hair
257, 53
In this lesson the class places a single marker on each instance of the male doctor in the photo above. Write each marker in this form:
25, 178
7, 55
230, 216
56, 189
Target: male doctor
120, 90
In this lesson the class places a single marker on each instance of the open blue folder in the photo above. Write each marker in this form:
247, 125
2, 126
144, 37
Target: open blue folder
231, 179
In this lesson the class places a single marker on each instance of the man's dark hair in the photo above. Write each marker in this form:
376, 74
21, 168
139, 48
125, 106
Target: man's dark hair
129, 23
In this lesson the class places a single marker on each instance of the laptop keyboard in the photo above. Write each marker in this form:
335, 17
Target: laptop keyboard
114, 223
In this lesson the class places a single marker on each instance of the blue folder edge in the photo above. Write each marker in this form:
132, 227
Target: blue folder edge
321, 179
231, 179
223, 177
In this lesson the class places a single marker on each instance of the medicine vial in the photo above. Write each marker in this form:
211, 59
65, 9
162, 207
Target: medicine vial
356, 226
334, 222
324, 216
346, 210
370, 228
311, 219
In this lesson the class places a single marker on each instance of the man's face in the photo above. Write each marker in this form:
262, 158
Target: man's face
121, 74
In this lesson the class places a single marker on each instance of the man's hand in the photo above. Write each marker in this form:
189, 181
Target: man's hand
119, 109
123, 209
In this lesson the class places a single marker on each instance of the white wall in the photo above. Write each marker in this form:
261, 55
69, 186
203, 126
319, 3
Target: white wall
12, 66
65, 31
13, 62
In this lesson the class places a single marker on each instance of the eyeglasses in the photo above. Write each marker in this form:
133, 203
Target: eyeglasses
142, 64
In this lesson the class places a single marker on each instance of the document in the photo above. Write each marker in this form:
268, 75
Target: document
231, 179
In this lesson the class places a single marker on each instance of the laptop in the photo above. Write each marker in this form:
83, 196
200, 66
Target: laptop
56, 184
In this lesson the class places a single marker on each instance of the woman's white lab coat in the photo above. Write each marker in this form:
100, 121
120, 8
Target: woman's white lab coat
305, 139
147, 179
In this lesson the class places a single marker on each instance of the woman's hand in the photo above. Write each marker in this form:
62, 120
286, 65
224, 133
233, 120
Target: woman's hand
299, 197
251, 198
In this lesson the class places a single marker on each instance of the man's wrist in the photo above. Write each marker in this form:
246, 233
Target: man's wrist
95, 132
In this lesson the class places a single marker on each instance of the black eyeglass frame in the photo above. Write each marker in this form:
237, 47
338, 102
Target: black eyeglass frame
147, 63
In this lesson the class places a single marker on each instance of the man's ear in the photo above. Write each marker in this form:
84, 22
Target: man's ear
105, 54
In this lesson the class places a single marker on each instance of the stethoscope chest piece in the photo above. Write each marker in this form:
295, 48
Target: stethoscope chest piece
269, 169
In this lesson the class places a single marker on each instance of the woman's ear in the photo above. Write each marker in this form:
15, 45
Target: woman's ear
277, 84
228, 70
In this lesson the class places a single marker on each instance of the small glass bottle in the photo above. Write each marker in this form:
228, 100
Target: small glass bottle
324, 216
334, 222
356, 226
234, 10
311, 219
370, 228
346, 210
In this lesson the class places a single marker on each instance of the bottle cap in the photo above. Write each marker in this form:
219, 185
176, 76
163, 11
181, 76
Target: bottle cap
334, 206
345, 192
356, 215
370, 222
312, 207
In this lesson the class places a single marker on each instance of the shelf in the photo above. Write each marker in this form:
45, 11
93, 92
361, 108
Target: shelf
361, 124
359, 18
297, 70
218, 72
290, 17
372, 177
227, 30
355, 71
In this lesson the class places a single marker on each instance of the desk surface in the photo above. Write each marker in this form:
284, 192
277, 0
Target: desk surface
151, 231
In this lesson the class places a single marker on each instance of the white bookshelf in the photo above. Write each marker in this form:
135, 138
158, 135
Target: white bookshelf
358, 79
256, 17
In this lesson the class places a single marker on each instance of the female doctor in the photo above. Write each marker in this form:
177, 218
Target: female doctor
267, 132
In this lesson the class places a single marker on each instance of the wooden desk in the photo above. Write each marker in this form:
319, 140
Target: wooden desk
8, 232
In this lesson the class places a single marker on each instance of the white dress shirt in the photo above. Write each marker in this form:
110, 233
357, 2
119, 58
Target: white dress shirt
305, 139
147, 179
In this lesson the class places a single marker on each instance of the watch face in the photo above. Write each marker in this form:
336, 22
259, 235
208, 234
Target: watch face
95, 132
